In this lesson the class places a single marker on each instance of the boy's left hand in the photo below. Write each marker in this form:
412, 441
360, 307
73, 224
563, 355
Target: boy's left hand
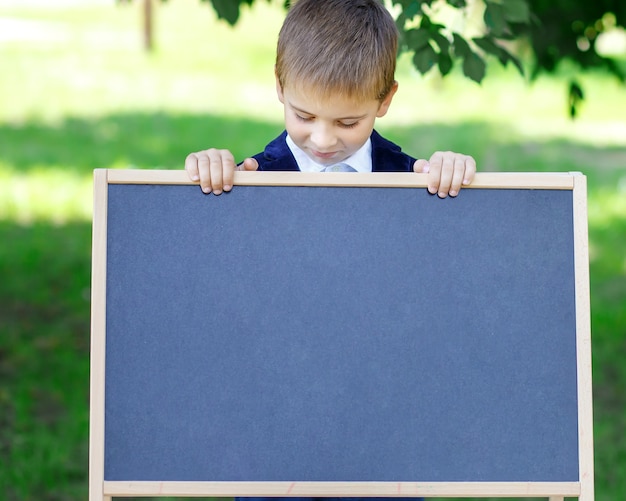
447, 172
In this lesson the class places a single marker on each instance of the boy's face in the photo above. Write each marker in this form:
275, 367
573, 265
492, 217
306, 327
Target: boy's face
329, 130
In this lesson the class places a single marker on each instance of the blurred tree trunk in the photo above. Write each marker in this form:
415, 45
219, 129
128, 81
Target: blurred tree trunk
148, 21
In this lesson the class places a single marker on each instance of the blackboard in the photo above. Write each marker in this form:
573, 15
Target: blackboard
335, 333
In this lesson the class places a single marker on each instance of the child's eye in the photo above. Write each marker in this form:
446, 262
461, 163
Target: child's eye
303, 119
349, 125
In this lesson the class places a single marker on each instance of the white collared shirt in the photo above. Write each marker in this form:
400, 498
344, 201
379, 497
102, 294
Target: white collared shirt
361, 160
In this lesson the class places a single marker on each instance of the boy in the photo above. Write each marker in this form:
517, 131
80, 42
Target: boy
335, 70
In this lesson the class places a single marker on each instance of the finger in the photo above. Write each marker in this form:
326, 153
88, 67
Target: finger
191, 166
445, 177
458, 175
470, 170
228, 169
216, 170
250, 164
204, 170
421, 166
434, 173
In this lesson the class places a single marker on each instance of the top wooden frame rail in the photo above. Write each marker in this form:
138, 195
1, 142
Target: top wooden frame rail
511, 180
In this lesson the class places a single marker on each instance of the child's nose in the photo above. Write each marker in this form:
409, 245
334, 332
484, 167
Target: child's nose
322, 138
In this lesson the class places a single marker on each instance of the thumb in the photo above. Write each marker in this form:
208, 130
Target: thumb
421, 166
250, 164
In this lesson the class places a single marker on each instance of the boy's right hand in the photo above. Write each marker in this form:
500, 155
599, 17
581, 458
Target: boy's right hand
214, 169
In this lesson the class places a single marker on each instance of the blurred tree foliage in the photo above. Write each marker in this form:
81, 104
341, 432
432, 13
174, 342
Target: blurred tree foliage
442, 33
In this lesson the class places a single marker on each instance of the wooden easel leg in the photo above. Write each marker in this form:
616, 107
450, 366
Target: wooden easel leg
556, 498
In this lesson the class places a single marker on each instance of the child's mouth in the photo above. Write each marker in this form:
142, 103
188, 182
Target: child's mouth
323, 155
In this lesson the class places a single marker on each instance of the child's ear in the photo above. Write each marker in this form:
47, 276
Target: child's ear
279, 90
384, 105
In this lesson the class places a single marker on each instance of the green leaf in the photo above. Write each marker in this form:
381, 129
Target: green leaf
410, 8
461, 47
474, 67
576, 91
495, 19
227, 10
425, 58
442, 42
517, 63
459, 4
516, 11
490, 47
417, 38
425, 22
445, 63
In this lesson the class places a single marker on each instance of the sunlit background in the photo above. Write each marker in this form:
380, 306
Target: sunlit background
78, 91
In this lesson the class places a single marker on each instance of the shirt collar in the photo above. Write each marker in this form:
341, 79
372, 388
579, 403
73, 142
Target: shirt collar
361, 160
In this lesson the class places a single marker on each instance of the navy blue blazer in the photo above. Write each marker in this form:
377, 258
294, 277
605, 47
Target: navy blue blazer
386, 156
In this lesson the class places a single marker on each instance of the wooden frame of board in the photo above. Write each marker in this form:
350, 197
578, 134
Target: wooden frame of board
102, 489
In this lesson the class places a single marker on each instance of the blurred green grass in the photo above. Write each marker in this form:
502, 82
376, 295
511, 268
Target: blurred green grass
78, 92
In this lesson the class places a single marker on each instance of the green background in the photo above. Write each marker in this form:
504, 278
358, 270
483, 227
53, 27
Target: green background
78, 92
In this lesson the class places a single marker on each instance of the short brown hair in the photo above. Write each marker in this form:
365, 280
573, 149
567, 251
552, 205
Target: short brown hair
338, 46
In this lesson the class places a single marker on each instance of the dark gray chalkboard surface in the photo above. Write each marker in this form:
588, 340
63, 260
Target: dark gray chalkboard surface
338, 335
